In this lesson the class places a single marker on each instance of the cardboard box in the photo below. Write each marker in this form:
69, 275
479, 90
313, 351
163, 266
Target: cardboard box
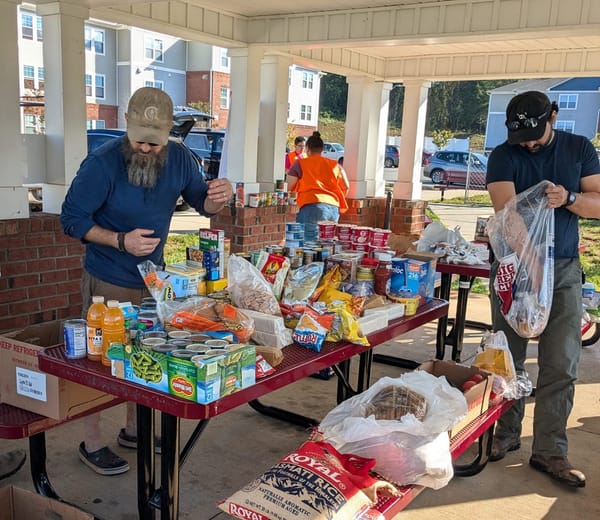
213, 240
215, 376
20, 504
140, 365
478, 397
24, 385
429, 276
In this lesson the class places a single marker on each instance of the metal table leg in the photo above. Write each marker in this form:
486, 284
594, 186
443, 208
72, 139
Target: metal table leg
37, 463
145, 461
169, 466
442, 328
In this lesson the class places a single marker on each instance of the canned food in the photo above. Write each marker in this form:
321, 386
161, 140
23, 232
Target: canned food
156, 334
164, 348
75, 336
179, 334
198, 348
183, 353
216, 343
149, 318
178, 343
199, 338
150, 343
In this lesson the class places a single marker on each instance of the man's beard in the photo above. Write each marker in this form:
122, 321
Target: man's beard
143, 169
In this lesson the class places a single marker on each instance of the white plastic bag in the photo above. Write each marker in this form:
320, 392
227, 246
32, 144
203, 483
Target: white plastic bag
408, 450
522, 238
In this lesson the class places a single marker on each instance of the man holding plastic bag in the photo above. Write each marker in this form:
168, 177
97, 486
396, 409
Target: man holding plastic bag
535, 152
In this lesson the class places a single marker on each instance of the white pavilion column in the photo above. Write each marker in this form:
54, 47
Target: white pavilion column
64, 65
366, 130
408, 184
242, 126
274, 88
13, 171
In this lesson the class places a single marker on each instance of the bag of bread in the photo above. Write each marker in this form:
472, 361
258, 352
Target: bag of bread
403, 423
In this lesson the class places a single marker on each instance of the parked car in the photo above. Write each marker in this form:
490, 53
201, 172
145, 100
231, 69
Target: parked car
392, 156
207, 144
334, 151
448, 167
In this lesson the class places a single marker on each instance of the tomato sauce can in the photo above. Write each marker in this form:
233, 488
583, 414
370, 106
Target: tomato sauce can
75, 336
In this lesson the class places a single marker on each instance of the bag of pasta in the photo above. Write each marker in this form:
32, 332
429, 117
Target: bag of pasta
522, 238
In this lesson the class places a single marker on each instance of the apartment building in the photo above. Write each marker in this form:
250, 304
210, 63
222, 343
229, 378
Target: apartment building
120, 59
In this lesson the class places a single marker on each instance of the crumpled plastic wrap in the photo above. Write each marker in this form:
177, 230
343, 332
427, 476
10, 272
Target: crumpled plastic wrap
522, 238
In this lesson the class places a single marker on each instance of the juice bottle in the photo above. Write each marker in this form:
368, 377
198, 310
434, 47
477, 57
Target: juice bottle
94, 328
113, 328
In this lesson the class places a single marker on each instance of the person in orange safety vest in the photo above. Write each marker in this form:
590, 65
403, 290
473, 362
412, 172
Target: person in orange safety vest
321, 185
297, 153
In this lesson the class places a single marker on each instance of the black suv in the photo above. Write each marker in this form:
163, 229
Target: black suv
207, 144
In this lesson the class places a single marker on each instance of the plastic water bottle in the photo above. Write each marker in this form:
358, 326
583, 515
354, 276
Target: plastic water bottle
95, 315
113, 328
587, 292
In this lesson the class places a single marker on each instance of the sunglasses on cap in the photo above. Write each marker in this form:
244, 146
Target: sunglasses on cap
526, 122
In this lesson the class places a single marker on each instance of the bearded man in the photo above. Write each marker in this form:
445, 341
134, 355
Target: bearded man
120, 206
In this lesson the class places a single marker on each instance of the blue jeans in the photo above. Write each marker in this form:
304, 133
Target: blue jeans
311, 214
558, 348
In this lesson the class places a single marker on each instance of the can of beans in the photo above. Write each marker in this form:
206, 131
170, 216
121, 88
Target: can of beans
183, 353
75, 336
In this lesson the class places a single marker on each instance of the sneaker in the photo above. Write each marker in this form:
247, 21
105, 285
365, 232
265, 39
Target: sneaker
103, 461
559, 468
130, 441
502, 445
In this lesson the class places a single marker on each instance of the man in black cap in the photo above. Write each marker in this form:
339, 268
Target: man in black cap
535, 151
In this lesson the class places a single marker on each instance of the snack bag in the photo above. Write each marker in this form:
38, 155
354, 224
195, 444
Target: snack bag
312, 328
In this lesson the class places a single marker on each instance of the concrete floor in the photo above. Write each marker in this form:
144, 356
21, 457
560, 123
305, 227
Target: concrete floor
239, 445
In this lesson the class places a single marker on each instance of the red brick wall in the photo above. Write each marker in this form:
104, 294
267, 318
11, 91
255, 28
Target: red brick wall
107, 113
41, 267
41, 272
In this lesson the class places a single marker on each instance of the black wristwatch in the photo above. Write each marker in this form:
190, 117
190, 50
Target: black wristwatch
571, 197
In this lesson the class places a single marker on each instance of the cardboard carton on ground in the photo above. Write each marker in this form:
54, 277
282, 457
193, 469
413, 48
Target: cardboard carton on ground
478, 397
20, 504
24, 385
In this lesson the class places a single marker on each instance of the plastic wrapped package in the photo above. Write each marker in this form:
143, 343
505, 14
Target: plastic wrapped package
522, 238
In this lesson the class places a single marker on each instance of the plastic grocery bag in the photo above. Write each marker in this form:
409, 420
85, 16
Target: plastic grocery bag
522, 238
408, 450
497, 359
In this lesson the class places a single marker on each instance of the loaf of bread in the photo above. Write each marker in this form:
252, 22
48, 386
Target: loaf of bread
394, 402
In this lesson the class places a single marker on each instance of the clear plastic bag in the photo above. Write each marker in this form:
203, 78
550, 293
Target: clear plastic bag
408, 450
522, 238
497, 359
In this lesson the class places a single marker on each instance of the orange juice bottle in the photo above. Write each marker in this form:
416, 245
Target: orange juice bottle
94, 328
113, 328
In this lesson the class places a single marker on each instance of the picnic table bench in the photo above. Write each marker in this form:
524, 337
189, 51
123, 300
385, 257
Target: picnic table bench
16, 423
442, 187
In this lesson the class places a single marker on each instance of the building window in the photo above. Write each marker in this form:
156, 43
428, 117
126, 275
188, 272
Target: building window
88, 85
305, 112
96, 124
28, 72
224, 98
41, 74
39, 29
155, 84
566, 126
224, 58
27, 26
307, 80
153, 48
567, 101
100, 86
94, 39
30, 126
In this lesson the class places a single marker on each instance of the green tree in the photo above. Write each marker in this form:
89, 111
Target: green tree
333, 96
441, 138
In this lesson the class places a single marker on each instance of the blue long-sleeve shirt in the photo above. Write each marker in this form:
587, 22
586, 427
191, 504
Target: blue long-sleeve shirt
102, 195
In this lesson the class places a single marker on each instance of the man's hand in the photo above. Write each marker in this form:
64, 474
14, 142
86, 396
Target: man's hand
139, 242
219, 192
557, 195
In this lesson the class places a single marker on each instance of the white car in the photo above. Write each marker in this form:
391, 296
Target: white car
334, 151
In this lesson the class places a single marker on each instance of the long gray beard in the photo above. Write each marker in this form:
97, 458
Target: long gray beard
143, 170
